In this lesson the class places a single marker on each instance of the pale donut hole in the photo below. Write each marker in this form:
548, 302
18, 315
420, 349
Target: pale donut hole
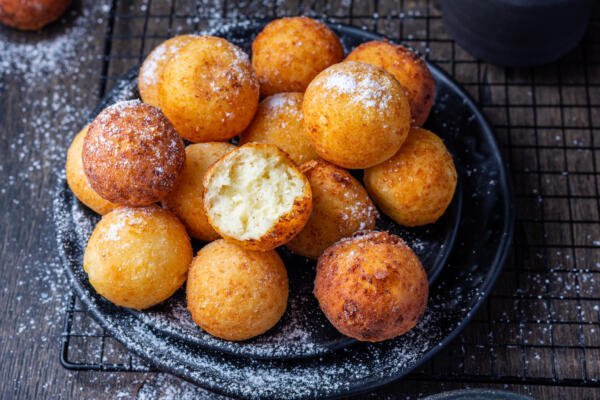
255, 191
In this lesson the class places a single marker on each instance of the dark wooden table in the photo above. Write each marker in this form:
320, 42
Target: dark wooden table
539, 333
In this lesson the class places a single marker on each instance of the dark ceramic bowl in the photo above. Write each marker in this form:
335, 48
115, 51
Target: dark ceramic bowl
517, 32
477, 394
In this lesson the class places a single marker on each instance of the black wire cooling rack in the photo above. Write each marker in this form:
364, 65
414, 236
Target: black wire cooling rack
541, 325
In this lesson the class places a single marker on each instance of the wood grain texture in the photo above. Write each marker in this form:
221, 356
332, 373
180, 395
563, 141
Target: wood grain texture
553, 152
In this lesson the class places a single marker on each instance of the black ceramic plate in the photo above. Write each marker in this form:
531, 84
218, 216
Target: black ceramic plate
478, 394
165, 337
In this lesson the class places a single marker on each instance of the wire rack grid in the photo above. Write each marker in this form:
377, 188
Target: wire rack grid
541, 325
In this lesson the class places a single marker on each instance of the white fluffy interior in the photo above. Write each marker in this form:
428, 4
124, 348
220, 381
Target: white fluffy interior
250, 191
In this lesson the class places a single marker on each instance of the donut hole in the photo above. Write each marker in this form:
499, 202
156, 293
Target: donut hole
251, 190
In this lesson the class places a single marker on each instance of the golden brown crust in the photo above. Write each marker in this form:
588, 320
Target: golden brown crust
132, 155
416, 185
341, 207
31, 14
153, 66
279, 121
356, 115
289, 52
234, 293
372, 286
287, 226
186, 199
77, 180
407, 67
208, 90
138, 257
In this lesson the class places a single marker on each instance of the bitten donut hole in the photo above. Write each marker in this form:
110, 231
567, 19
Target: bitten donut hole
251, 190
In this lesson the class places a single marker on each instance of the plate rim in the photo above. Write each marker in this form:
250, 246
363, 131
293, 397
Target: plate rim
497, 263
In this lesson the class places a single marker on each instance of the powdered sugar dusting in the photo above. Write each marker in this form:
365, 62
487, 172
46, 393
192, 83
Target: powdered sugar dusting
365, 88
33, 57
133, 137
357, 209
283, 102
150, 72
239, 69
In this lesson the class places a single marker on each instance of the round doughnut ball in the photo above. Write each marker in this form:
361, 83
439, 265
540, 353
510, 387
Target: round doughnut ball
234, 293
356, 115
371, 287
77, 180
255, 196
132, 155
208, 90
416, 185
289, 52
341, 207
138, 257
186, 199
279, 121
152, 68
407, 67
30, 15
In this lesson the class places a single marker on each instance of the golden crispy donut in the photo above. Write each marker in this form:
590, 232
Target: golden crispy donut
371, 287
77, 180
415, 186
208, 90
152, 68
290, 52
279, 121
30, 15
234, 293
132, 155
356, 115
186, 200
407, 67
255, 196
341, 207
138, 257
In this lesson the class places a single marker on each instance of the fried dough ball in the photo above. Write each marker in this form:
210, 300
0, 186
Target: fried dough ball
234, 293
341, 207
132, 155
371, 287
138, 257
415, 186
153, 66
290, 52
356, 115
77, 180
407, 67
30, 15
255, 196
186, 200
208, 90
279, 121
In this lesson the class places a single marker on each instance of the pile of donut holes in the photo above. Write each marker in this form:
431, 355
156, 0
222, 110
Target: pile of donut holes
303, 114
